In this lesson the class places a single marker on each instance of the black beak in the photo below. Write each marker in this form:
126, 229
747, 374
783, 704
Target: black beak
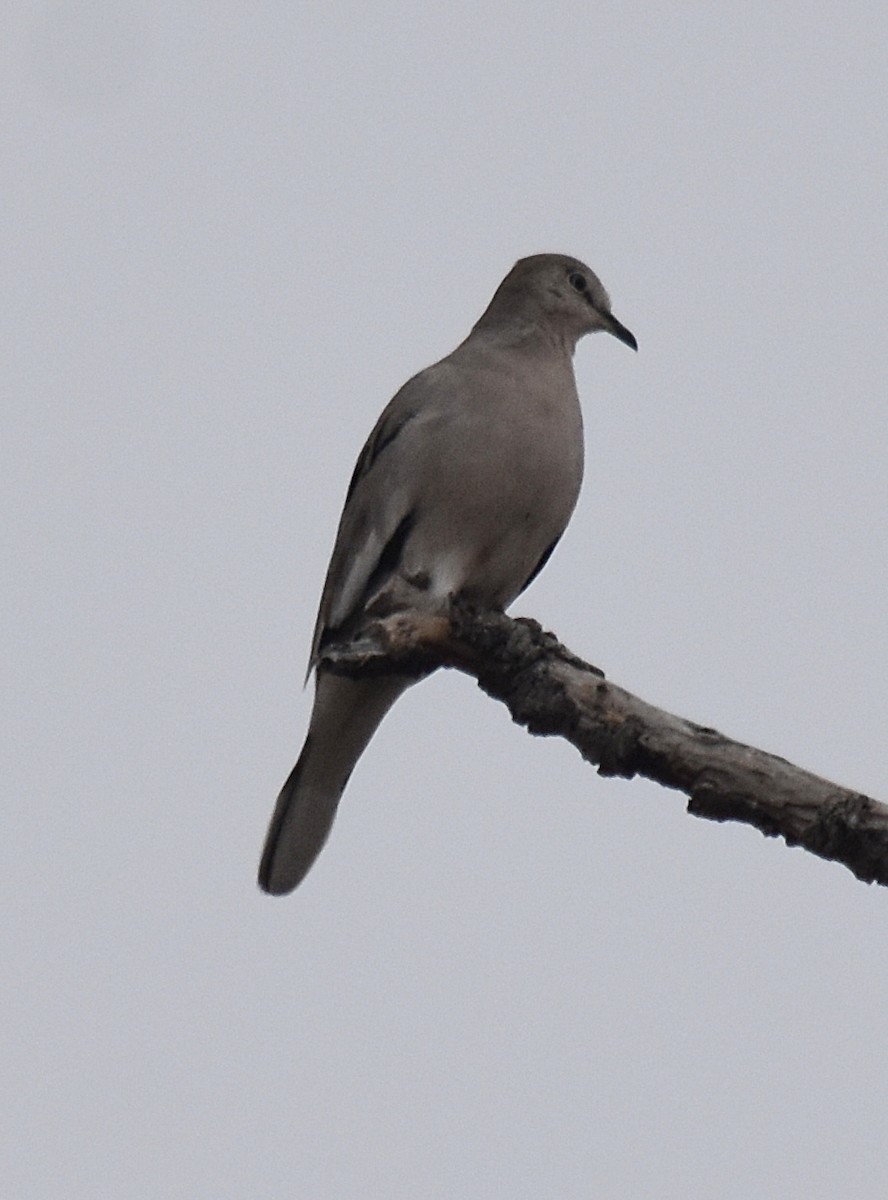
612, 325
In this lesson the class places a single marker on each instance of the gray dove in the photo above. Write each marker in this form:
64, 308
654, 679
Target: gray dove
462, 490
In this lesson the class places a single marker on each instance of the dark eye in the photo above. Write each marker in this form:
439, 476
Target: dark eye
577, 281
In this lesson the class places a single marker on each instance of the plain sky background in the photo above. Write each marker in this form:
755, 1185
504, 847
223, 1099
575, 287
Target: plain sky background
230, 232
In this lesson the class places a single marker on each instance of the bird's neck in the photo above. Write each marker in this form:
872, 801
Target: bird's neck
523, 334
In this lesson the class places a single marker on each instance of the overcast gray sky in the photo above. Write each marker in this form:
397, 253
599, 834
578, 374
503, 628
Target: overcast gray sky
230, 232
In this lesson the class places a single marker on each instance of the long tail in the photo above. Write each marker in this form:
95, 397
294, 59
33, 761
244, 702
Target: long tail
345, 716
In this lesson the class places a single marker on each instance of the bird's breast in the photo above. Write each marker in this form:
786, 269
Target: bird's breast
503, 477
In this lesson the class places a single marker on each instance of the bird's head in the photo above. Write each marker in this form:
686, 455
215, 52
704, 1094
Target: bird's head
558, 293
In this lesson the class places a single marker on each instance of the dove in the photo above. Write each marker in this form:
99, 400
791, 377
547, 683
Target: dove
462, 491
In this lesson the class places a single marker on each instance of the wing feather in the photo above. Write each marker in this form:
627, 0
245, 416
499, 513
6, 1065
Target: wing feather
376, 521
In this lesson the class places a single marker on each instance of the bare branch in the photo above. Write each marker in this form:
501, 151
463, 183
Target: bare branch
552, 692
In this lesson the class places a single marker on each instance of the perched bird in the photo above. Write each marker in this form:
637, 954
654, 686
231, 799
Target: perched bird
462, 490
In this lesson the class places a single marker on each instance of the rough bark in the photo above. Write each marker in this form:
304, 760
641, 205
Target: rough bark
551, 692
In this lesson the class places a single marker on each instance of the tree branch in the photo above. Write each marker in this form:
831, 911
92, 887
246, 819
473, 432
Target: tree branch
550, 691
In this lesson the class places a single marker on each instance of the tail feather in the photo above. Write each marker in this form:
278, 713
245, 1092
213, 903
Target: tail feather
346, 714
307, 818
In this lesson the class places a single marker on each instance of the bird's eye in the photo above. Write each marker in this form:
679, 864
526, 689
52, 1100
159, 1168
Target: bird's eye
577, 281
